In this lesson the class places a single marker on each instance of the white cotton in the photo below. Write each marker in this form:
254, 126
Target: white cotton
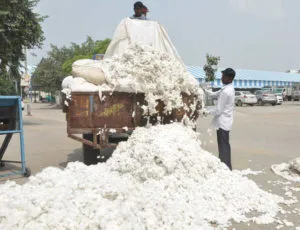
159, 178
67, 82
287, 223
209, 131
159, 75
112, 131
141, 69
85, 87
295, 165
289, 171
246, 172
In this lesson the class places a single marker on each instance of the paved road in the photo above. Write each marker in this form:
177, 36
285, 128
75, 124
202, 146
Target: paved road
261, 136
265, 135
46, 141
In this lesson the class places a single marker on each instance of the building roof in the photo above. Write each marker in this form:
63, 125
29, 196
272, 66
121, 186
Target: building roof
243, 74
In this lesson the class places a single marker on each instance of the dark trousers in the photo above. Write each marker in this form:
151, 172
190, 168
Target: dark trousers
224, 147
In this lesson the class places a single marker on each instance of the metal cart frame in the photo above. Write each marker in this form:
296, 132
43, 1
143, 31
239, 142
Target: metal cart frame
12, 103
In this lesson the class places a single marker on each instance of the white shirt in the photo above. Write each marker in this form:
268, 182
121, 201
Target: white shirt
223, 112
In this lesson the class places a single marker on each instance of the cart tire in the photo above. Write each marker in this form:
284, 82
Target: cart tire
2, 164
260, 102
90, 155
116, 138
27, 172
240, 103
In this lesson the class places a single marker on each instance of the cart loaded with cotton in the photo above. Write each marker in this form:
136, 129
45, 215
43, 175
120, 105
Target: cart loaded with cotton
141, 81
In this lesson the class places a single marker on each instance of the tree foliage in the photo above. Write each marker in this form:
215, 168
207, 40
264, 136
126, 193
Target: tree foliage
210, 68
58, 64
19, 28
6, 86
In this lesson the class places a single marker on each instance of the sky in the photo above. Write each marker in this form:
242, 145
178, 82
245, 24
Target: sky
246, 34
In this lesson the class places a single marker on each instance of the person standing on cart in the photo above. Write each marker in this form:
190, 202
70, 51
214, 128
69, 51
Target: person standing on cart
140, 11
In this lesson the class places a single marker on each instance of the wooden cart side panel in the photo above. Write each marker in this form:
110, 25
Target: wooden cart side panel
80, 111
86, 110
119, 109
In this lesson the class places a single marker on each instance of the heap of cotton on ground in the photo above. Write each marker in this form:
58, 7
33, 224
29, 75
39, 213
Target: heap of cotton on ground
289, 171
160, 178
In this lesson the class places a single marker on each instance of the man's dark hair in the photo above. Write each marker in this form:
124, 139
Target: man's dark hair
138, 5
229, 73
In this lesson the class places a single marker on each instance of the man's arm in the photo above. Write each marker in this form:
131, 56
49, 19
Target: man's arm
219, 109
211, 93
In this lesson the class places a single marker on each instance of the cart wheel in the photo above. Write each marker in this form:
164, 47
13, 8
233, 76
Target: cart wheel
27, 172
2, 164
90, 155
106, 153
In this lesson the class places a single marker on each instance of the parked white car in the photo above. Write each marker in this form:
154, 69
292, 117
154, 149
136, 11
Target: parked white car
279, 93
265, 97
279, 99
245, 97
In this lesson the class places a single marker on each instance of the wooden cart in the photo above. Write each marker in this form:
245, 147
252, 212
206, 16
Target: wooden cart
101, 124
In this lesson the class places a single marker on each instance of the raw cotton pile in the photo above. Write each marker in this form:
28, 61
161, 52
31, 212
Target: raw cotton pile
289, 171
158, 75
159, 179
141, 69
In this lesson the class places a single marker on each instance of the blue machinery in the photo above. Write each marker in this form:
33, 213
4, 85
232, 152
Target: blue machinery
11, 122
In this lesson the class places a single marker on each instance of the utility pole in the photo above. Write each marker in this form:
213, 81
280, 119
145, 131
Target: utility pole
29, 86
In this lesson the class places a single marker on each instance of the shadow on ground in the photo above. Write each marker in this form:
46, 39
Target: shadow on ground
77, 155
28, 123
52, 106
74, 156
10, 168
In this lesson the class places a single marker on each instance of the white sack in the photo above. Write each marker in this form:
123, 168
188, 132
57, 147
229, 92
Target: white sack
131, 31
67, 82
90, 70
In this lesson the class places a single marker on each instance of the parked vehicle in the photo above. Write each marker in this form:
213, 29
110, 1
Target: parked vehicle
279, 99
265, 97
292, 92
296, 92
245, 97
279, 93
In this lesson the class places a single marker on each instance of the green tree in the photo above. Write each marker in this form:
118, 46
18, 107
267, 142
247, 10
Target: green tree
19, 28
58, 64
6, 86
210, 68
47, 76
